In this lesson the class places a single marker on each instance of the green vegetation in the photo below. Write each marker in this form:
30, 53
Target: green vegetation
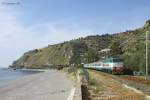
129, 45
94, 85
77, 74
72, 73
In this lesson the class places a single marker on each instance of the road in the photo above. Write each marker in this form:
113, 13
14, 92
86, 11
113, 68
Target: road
52, 85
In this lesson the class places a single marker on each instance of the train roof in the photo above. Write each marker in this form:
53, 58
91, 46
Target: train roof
107, 60
94, 62
113, 60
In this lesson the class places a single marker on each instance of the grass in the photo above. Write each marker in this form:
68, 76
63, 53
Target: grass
72, 73
136, 79
93, 85
103, 87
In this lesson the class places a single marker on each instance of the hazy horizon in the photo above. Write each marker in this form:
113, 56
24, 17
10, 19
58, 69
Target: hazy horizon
30, 24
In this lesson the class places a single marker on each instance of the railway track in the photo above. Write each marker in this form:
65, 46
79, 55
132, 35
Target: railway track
138, 83
136, 79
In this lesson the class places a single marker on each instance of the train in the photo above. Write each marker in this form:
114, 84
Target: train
110, 65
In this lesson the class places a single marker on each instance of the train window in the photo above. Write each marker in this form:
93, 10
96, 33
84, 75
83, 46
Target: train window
107, 60
117, 60
112, 60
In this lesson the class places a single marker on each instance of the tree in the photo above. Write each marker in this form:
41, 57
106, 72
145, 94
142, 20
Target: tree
91, 56
115, 48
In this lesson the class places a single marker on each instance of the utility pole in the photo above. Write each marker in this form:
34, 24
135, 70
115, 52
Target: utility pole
147, 52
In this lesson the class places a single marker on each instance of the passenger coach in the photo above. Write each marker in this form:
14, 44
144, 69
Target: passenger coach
111, 65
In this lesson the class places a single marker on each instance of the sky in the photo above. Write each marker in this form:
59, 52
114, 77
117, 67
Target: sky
31, 24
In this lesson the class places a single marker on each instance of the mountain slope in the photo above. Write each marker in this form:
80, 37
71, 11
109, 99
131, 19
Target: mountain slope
70, 52
129, 45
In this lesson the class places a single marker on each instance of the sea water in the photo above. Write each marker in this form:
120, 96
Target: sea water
10, 74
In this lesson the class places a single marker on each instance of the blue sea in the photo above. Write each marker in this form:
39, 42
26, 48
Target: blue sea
10, 74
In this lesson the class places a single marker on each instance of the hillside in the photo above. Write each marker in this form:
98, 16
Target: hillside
70, 52
129, 45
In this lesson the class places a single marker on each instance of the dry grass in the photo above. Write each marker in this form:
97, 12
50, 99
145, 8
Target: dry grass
72, 73
137, 79
110, 89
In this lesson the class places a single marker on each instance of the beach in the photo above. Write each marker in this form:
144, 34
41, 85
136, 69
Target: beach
48, 85
7, 74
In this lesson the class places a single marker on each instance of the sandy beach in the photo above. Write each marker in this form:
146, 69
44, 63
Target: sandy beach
48, 85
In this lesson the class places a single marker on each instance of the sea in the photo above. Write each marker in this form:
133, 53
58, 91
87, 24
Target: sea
7, 75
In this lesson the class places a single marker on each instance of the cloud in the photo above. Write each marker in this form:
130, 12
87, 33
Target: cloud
16, 38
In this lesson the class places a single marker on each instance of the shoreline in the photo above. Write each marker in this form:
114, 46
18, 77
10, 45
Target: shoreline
8, 74
39, 70
46, 85
26, 69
